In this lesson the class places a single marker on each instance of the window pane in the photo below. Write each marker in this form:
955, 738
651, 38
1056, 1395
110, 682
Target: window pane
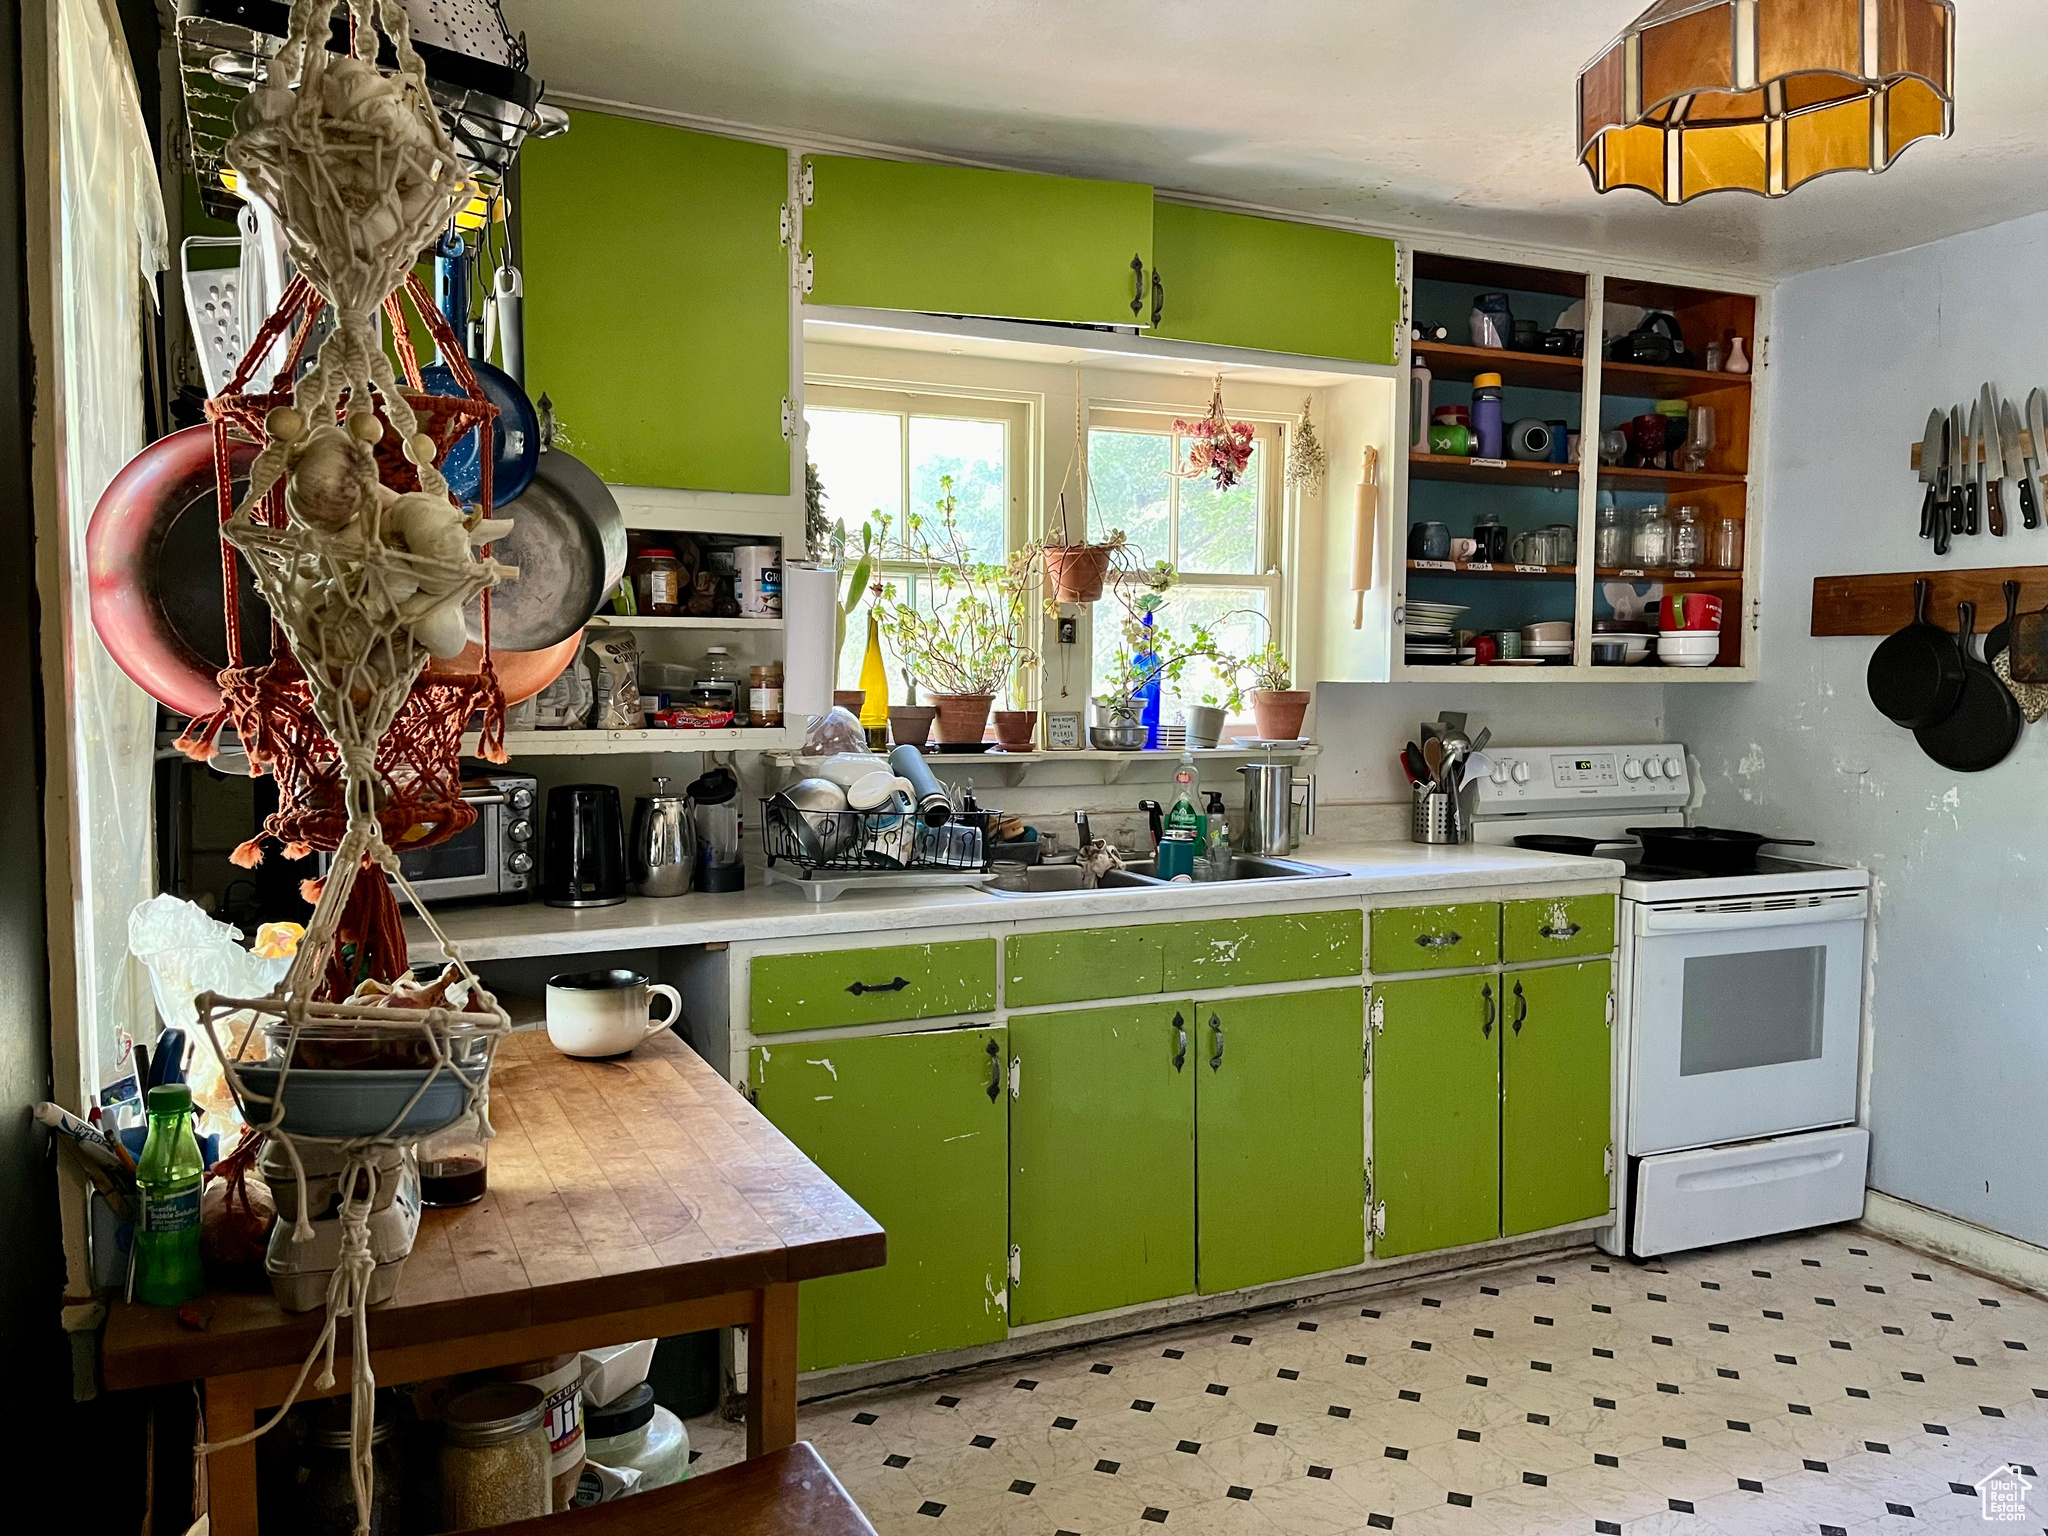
1233, 616
1219, 530
972, 452
859, 455
1127, 473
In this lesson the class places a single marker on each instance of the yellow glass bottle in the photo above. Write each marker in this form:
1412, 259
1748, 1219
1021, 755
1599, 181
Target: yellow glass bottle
874, 683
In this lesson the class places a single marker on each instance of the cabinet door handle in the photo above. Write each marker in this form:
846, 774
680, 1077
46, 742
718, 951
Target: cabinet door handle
1137, 285
1486, 1020
1158, 297
878, 986
1439, 940
1180, 1050
1568, 931
1215, 1042
1521, 1008
995, 1072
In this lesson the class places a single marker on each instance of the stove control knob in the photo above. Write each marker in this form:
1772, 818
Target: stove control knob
1653, 767
1521, 772
1499, 775
520, 831
1674, 768
1631, 770
519, 863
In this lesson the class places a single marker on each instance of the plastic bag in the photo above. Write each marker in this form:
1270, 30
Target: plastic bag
837, 730
615, 665
236, 1212
187, 952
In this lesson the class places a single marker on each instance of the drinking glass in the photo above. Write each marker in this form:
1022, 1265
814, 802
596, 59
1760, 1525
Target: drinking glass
1699, 440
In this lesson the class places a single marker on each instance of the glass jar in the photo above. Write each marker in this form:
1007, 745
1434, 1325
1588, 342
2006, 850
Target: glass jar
1727, 544
454, 1165
1688, 537
658, 583
1652, 537
494, 1457
719, 685
764, 696
637, 1432
1611, 545
322, 1500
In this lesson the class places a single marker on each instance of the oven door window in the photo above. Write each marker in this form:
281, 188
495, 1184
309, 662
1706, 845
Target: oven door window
462, 857
1759, 1009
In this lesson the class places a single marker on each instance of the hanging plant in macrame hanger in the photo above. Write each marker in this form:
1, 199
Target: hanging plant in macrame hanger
1216, 444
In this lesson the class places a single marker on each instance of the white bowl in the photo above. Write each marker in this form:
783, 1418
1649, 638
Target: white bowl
1705, 659
1688, 645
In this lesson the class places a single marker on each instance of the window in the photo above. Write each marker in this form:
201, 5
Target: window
1225, 545
885, 451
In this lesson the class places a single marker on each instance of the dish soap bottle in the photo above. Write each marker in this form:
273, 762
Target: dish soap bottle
1186, 832
1219, 836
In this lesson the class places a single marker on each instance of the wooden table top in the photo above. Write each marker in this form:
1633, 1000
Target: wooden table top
613, 1185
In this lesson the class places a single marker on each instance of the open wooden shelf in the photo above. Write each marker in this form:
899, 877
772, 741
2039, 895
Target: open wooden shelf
1530, 370
1639, 381
1475, 568
1704, 575
1620, 479
1444, 466
680, 621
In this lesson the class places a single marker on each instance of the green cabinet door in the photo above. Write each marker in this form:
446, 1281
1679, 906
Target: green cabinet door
1279, 1136
832, 988
915, 1128
1238, 280
1436, 1112
1076, 965
1264, 951
1102, 1158
945, 239
1555, 1066
657, 301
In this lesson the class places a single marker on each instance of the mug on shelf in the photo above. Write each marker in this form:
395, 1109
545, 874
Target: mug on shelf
1535, 548
1464, 549
1429, 541
604, 1013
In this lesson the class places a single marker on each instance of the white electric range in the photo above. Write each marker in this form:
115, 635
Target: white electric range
1739, 1009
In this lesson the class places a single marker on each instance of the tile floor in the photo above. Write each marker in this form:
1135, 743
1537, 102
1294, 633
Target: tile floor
1828, 1382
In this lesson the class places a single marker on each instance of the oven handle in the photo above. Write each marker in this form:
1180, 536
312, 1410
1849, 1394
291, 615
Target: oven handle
494, 797
1839, 909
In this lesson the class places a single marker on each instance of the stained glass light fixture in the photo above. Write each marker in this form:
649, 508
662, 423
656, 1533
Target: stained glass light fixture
1764, 95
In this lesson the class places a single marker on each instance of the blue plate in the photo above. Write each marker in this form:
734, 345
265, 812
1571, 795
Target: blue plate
360, 1102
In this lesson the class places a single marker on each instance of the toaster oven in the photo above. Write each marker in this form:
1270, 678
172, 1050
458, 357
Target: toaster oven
494, 858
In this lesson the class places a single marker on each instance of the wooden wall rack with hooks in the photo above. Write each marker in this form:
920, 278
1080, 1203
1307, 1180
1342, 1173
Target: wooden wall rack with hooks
1881, 603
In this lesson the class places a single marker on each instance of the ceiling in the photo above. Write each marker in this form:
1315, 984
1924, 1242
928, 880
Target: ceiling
1447, 115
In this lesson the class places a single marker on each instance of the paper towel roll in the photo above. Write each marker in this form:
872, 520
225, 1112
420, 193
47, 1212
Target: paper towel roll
810, 607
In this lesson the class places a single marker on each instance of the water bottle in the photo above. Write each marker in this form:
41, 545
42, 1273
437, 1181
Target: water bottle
167, 1267
1486, 423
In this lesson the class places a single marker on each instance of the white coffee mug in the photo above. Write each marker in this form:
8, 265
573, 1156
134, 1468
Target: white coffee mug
604, 1013
878, 791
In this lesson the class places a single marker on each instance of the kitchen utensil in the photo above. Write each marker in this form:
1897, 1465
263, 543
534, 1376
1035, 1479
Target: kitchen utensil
1707, 850
1365, 524
1992, 471
1958, 472
2037, 436
1268, 802
2018, 465
715, 819
1915, 677
1412, 760
813, 812
1477, 766
663, 849
515, 434
1433, 758
568, 541
585, 847
604, 1013
1973, 466
1986, 722
1580, 847
1434, 818
2000, 638
1931, 468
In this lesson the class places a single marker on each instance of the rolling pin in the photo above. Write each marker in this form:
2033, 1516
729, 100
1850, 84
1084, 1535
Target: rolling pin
1364, 535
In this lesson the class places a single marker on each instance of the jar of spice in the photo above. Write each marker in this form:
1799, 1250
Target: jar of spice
764, 695
323, 1497
560, 1377
494, 1457
658, 583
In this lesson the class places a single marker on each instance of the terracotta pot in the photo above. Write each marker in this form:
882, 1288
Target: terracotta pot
1279, 714
850, 699
1078, 571
963, 717
910, 725
1015, 729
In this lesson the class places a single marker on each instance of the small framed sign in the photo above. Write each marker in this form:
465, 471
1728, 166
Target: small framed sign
1063, 730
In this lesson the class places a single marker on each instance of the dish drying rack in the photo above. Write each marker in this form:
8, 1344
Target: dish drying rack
825, 854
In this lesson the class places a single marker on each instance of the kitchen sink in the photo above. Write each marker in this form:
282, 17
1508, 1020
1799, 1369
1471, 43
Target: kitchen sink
1065, 879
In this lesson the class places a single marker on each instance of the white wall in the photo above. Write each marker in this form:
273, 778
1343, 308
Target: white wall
1959, 1059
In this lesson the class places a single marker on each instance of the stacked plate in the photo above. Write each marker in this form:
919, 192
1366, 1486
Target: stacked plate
1430, 638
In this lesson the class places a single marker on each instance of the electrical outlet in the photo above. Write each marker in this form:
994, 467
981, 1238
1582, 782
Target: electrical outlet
1070, 630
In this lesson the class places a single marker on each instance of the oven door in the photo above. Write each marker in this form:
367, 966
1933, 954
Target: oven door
467, 864
1744, 1019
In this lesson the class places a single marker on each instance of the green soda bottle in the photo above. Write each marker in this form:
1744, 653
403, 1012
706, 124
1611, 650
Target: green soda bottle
167, 1268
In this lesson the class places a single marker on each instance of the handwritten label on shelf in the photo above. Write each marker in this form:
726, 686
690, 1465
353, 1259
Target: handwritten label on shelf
1434, 565
1479, 565
1631, 571
1533, 570
1490, 463
1683, 576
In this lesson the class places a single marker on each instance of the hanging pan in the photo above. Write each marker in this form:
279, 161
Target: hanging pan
1916, 675
1985, 724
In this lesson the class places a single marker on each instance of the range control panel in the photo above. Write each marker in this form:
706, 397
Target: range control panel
1534, 780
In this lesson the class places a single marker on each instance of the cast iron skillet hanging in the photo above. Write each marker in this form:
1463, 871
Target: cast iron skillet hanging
1916, 674
1707, 850
1985, 724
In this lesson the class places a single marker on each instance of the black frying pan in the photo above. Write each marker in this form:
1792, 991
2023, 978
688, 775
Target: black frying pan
1916, 674
1708, 850
1582, 847
1985, 724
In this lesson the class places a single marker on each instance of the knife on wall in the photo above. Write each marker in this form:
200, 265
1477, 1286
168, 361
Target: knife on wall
2037, 425
1957, 478
1993, 471
2017, 469
1946, 497
1933, 473
1973, 474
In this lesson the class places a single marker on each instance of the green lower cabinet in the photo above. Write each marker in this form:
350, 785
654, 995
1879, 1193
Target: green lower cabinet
834, 988
1078, 965
1556, 928
1451, 938
1102, 1158
915, 1127
1264, 951
1556, 1062
1279, 1136
1436, 1112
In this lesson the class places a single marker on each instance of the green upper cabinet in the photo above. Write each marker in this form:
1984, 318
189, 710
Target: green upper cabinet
944, 239
916, 1128
1280, 1136
1436, 1112
1102, 1158
1555, 1069
657, 301
1237, 280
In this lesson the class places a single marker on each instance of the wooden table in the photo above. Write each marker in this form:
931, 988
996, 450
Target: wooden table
629, 1199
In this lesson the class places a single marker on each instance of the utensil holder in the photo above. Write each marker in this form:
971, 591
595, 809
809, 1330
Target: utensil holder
1436, 818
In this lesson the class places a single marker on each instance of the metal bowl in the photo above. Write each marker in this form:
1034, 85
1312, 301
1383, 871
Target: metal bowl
814, 811
1125, 737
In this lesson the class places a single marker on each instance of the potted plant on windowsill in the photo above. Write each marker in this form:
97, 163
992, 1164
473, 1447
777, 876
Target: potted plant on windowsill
1277, 708
968, 640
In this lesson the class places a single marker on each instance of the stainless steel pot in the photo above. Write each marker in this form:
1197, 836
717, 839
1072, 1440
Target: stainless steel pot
663, 849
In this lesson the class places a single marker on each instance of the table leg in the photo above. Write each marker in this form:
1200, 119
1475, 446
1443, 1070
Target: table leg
230, 1474
771, 1372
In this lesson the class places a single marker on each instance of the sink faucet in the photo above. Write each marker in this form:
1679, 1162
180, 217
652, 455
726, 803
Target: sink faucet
1157, 813
1081, 828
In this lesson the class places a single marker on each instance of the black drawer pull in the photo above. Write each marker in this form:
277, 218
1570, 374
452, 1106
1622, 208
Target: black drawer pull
1180, 1049
887, 986
1216, 1038
995, 1072
1158, 297
1137, 285
1439, 940
1486, 1022
1568, 931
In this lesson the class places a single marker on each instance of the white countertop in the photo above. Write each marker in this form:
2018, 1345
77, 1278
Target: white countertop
778, 912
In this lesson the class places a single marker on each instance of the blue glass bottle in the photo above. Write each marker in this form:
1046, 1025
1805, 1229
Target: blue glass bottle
1146, 665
